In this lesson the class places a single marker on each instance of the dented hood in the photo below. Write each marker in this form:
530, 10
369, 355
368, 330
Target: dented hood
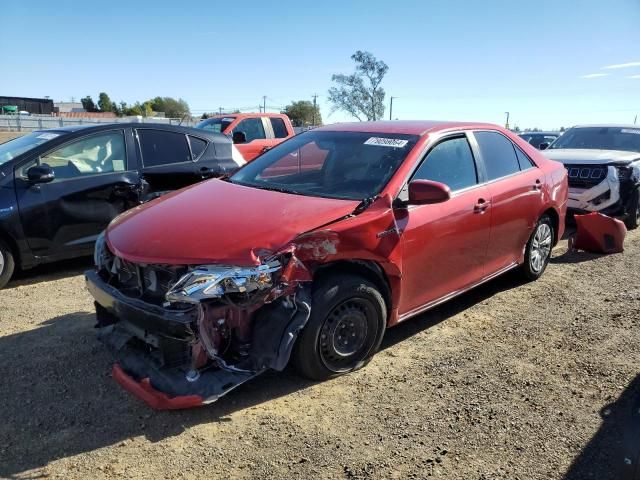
218, 222
590, 156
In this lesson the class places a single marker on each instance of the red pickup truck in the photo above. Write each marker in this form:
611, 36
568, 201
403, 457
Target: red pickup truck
252, 133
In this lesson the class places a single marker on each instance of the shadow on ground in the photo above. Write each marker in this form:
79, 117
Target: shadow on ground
58, 399
614, 451
50, 271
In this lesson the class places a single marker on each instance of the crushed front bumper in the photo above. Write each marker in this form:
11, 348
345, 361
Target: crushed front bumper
591, 199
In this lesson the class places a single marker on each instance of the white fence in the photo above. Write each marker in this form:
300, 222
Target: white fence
28, 123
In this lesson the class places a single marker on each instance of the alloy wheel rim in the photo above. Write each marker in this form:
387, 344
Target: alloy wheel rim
540, 247
1, 262
343, 337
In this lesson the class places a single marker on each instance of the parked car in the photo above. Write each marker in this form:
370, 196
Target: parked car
540, 140
252, 133
603, 162
60, 188
324, 242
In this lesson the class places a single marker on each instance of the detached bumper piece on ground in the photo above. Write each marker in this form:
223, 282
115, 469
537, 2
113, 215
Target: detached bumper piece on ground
598, 233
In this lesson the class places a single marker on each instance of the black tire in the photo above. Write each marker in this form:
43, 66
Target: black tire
7, 264
352, 312
538, 250
633, 219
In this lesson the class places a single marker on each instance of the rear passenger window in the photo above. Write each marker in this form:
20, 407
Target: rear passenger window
498, 154
161, 147
450, 162
279, 128
197, 146
524, 161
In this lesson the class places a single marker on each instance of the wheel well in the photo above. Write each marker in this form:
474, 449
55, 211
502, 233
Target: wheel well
365, 268
13, 246
555, 219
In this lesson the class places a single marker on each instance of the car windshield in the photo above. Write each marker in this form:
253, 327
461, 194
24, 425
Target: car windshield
217, 125
345, 165
11, 149
601, 138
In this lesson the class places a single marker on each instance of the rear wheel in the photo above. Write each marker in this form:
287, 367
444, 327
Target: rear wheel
7, 264
538, 251
348, 318
633, 220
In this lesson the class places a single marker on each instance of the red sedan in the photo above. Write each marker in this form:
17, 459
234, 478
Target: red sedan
312, 250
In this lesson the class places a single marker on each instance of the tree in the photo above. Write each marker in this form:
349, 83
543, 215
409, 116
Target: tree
171, 107
104, 102
87, 104
360, 94
303, 113
204, 116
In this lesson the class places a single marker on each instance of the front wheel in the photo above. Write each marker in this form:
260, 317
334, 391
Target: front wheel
347, 322
633, 220
7, 264
538, 250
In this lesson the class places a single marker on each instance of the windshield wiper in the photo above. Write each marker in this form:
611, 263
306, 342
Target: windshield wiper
364, 204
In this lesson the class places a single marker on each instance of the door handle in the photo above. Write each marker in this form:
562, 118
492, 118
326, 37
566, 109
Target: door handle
481, 205
537, 185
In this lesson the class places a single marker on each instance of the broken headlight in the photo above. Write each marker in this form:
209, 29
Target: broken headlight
100, 254
208, 282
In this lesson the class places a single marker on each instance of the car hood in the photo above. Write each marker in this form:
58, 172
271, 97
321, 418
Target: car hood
590, 156
218, 222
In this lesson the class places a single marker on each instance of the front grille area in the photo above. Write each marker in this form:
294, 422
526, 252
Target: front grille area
586, 176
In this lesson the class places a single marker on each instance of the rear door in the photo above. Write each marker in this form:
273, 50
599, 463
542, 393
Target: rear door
445, 244
515, 186
93, 184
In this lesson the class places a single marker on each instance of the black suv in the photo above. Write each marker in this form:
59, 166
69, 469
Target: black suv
60, 188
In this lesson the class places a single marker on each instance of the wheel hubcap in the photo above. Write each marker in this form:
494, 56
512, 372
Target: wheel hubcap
1, 262
343, 336
540, 247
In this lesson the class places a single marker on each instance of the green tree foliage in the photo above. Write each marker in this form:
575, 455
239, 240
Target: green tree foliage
170, 106
360, 93
303, 113
104, 102
88, 104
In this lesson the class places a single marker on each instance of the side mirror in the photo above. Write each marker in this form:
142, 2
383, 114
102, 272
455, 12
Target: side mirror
239, 137
40, 174
423, 192
543, 146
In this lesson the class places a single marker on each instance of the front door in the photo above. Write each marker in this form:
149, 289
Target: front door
445, 244
257, 139
91, 187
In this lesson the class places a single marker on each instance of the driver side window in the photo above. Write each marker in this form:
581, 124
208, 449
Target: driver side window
450, 162
252, 128
97, 154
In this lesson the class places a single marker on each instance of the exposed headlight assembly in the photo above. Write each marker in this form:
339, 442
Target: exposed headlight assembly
100, 255
208, 282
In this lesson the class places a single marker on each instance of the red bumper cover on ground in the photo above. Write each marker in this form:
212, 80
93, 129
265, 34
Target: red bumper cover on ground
598, 233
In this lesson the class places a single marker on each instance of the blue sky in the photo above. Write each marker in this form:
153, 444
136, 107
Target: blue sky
458, 60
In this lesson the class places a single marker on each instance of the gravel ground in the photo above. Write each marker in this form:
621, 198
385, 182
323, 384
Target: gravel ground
513, 381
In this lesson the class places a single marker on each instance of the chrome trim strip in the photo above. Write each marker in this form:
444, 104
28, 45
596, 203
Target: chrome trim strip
449, 296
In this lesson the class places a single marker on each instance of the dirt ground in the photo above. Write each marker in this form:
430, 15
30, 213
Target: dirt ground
510, 381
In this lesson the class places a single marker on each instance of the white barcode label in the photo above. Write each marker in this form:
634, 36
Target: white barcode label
386, 142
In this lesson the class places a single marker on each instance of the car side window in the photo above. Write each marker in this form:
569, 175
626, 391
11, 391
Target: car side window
279, 128
450, 162
498, 154
94, 155
252, 128
198, 146
523, 160
161, 147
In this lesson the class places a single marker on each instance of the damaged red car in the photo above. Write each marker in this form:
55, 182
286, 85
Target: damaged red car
308, 253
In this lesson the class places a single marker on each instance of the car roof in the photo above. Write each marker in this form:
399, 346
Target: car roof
540, 133
248, 114
409, 127
148, 125
608, 125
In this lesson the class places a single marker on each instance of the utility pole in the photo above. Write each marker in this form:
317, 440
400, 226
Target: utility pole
220, 110
635, 120
315, 96
506, 125
391, 107
264, 103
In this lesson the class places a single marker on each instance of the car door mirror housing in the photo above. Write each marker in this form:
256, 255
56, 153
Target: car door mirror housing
239, 137
543, 146
423, 192
41, 174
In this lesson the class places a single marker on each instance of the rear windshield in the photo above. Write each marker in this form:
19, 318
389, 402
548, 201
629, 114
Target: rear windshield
346, 165
600, 138
11, 149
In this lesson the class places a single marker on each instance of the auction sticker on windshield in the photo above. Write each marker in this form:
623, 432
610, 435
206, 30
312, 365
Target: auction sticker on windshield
386, 142
48, 136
